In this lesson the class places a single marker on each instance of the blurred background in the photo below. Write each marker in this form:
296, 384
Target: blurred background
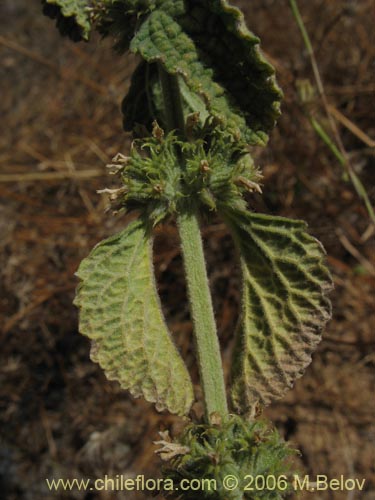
61, 123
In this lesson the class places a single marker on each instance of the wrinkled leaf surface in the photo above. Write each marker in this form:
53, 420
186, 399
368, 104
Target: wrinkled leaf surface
120, 312
284, 309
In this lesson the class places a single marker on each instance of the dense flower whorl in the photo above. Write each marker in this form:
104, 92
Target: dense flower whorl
235, 449
164, 174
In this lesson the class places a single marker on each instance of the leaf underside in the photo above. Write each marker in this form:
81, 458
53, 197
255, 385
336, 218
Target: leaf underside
208, 45
72, 16
284, 309
120, 312
144, 102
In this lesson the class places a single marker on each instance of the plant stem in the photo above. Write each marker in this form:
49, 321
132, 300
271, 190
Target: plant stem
207, 344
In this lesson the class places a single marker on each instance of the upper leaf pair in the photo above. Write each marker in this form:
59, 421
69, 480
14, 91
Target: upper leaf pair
208, 45
205, 42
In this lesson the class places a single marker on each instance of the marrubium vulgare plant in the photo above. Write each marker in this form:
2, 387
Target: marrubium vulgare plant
201, 97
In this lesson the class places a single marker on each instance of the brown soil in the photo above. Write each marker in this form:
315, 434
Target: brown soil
60, 115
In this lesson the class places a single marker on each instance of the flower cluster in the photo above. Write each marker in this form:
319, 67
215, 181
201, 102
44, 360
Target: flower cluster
235, 448
164, 175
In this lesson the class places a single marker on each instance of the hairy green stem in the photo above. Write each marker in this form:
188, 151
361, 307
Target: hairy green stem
207, 344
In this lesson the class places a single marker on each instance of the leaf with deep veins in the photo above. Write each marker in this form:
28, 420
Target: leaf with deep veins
120, 312
208, 45
284, 308
206, 42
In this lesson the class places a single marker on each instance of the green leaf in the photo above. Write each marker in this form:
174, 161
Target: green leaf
144, 102
284, 308
209, 46
138, 106
120, 312
73, 17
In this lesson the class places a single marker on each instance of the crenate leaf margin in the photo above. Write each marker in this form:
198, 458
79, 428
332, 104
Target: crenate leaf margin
284, 307
247, 107
120, 312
